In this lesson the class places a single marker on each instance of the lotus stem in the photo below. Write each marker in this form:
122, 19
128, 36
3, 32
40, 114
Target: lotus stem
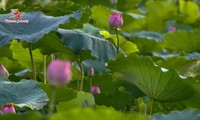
81, 73
45, 68
32, 62
116, 31
151, 109
52, 102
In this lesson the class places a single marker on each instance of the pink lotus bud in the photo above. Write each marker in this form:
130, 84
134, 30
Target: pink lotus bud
90, 72
171, 28
59, 72
113, 1
115, 20
8, 109
95, 89
3, 72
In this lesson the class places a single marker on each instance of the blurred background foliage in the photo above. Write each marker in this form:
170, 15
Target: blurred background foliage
157, 71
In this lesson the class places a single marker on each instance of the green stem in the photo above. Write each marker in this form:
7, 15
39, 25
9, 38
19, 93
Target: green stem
117, 41
151, 109
52, 57
43, 111
32, 62
81, 73
78, 82
52, 101
45, 68
145, 109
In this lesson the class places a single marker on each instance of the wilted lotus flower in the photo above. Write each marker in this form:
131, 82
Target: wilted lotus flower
59, 72
8, 109
3, 72
90, 71
95, 89
113, 1
115, 20
171, 28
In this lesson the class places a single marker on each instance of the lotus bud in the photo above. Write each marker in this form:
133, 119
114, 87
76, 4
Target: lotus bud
171, 28
8, 109
90, 72
59, 73
3, 72
95, 90
113, 1
115, 20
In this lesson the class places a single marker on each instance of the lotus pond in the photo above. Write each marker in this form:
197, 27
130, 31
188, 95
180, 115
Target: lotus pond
99, 59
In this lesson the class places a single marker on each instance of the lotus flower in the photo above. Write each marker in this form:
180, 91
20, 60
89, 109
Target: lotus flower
95, 90
171, 28
115, 20
90, 72
8, 109
3, 72
113, 1
59, 73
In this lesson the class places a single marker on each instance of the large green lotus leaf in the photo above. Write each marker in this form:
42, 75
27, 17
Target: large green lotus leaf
133, 21
189, 114
24, 93
77, 40
26, 116
147, 42
182, 41
36, 28
147, 35
83, 99
6, 52
12, 66
127, 46
190, 10
185, 67
22, 55
158, 83
99, 114
65, 7
61, 94
51, 43
100, 15
158, 12
118, 101
105, 83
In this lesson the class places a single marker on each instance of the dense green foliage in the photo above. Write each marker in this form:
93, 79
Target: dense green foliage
155, 76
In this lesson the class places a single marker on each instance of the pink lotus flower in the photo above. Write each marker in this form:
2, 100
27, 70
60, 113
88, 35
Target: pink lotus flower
8, 109
95, 89
113, 1
3, 72
115, 20
171, 28
90, 72
59, 72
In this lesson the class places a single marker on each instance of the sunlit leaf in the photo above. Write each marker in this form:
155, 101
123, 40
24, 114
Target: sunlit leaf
127, 46
182, 41
106, 114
